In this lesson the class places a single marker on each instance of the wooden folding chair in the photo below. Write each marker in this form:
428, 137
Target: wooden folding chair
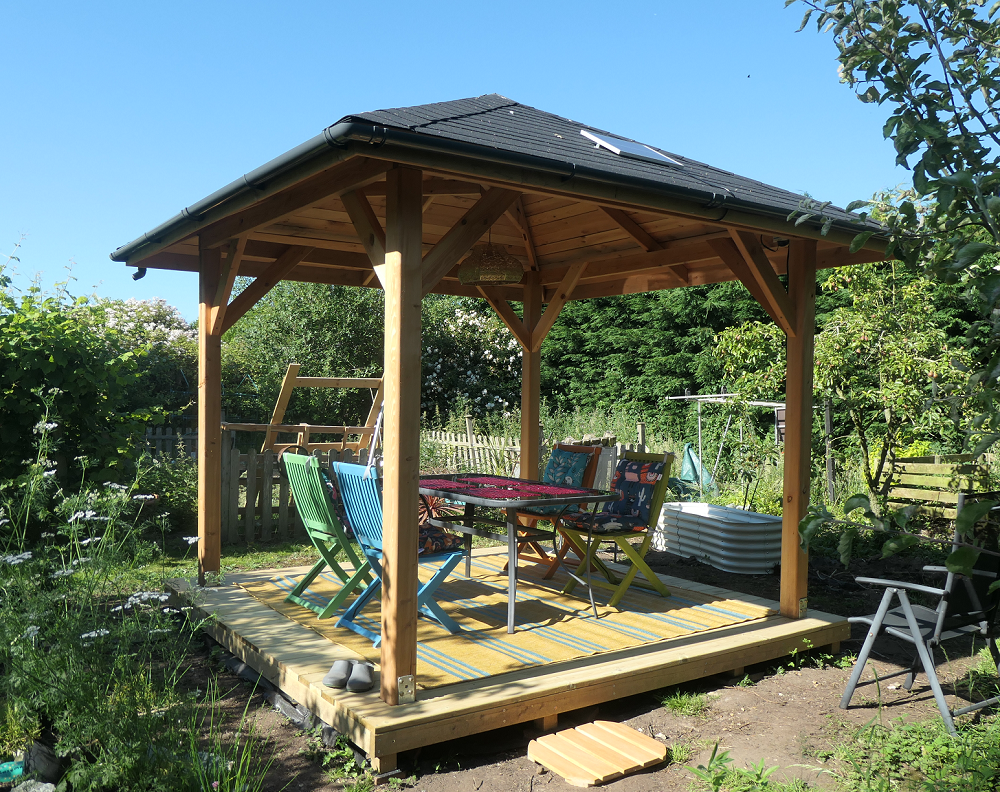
619, 521
315, 506
361, 495
530, 518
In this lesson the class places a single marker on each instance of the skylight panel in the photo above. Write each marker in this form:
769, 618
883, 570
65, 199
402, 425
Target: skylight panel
626, 148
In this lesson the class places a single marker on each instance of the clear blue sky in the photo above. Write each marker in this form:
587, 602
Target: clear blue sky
117, 115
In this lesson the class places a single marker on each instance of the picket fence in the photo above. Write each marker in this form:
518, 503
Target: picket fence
497, 456
257, 506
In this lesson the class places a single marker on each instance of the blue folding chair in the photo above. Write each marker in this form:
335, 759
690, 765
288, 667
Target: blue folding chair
360, 492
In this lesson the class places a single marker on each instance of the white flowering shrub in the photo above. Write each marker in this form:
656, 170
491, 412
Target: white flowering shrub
164, 345
469, 358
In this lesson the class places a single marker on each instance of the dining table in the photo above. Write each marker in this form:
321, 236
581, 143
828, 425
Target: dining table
509, 495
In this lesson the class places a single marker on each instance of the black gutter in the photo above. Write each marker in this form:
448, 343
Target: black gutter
342, 134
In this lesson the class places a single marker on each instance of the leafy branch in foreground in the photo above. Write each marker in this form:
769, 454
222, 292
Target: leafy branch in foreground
895, 525
936, 66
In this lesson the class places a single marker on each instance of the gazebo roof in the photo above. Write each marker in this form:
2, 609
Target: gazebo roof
512, 128
547, 188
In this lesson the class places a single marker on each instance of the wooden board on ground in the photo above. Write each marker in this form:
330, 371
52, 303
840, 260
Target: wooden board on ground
596, 753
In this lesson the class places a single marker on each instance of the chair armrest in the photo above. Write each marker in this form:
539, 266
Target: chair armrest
975, 572
900, 584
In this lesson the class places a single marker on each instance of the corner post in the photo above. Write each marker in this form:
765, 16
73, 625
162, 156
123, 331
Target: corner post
403, 296
531, 368
209, 417
798, 426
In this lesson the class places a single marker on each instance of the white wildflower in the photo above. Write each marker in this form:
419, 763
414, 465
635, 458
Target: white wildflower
31, 632
42, 426
48, 535
81, 560
95, 634
61, 573
14, 560
143, 497
190, 539
92, 539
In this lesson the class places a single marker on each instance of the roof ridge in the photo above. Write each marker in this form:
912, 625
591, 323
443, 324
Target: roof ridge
511, 103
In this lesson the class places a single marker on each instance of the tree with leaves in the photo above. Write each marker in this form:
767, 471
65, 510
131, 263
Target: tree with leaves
935, 66
880, 358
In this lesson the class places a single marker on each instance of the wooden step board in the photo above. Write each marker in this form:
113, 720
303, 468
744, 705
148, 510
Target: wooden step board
596, 753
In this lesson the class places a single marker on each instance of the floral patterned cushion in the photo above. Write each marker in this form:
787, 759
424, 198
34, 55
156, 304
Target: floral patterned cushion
434, 540
635, 482
564, 469
604, 522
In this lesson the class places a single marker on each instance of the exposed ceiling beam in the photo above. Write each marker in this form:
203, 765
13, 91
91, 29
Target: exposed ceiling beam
734, 260
230, 269
354, 173
369, 230
519, 218
632, 228
507, 315
562, 294
435, 185
767, 279
261, 285
463, 235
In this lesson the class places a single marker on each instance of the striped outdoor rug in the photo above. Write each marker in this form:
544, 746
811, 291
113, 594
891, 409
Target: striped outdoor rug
551, 627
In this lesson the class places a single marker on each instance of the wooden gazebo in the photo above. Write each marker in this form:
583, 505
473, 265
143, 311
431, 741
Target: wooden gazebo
394, 199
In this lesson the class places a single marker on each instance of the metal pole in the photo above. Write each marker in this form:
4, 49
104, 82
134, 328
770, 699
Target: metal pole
701, 467
828, 426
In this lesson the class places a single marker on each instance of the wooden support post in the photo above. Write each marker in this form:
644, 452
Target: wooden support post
798, 425
531, 367
209, 417
403, 295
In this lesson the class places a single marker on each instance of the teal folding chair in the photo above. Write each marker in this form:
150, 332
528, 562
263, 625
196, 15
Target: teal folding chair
360, 494
315, 506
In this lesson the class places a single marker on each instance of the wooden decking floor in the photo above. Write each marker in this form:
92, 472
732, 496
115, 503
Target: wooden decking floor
295, 658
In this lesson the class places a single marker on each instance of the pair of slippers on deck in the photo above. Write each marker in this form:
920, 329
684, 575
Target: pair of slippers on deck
354, 675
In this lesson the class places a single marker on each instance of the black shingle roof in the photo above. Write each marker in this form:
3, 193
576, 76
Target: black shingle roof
500, 123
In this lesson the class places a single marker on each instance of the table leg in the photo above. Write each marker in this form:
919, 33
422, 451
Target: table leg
467, 521
511, 567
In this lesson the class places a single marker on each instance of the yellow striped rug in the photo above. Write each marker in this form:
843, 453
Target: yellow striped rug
551, 627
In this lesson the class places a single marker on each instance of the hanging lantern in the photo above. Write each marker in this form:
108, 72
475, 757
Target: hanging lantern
490, 265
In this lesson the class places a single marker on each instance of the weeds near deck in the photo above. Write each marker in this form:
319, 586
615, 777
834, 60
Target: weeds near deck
686, 704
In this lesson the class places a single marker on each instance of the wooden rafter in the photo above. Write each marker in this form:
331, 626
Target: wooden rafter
261, 285
562, 295
767, 279
350, 175
463, 235
519, 218
632, 228
435, 185
369, 230
230, 269
731, 256
507, 315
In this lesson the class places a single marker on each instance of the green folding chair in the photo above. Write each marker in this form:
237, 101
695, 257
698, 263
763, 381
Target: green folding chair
315, 506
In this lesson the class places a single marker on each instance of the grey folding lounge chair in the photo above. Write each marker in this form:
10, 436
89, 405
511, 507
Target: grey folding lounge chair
965, 606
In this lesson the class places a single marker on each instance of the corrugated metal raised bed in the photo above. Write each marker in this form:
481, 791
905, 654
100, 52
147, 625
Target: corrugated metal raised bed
729, 539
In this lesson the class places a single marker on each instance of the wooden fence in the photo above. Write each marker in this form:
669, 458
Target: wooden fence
164, 440
256, 501
498, 456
